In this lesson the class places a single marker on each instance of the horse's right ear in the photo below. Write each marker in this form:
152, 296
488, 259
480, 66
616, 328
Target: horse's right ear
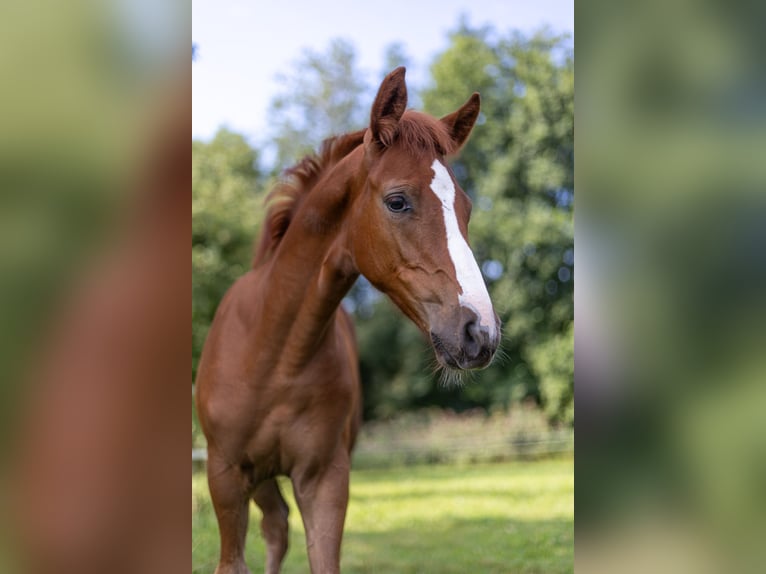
388, 108
460, 123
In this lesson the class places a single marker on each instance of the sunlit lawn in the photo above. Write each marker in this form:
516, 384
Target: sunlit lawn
495, 518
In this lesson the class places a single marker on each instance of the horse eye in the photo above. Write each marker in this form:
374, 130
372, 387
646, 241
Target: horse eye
397, 204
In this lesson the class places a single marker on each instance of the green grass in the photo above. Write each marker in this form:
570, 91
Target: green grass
496, 518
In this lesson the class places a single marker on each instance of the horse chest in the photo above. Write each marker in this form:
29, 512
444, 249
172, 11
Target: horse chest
301, 417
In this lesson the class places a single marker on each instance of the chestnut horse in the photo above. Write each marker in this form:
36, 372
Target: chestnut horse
278, 389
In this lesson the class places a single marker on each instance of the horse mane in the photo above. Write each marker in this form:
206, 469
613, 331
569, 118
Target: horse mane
418, 132
283, 201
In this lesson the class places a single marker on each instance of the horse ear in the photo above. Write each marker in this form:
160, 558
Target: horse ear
388, 108
460, 123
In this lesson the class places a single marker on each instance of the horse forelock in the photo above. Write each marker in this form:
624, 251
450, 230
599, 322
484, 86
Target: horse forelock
283, 201
424, 134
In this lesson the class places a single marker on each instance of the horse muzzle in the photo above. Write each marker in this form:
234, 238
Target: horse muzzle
471, 346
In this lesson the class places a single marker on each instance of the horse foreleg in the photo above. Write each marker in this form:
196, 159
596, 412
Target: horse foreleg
274, 523
230, 496
322, 497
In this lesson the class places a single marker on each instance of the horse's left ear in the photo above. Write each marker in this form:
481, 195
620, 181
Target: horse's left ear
460, 123
388, 108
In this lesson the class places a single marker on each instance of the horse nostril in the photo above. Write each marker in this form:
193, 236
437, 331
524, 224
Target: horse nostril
477, 341
473, 337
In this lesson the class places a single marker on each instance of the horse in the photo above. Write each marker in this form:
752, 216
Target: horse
278, 389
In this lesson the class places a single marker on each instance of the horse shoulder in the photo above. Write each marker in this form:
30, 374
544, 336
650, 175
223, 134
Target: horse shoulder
222, 382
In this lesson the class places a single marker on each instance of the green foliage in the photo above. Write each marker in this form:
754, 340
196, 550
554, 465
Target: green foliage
499, 518
226, 211
553, 361
519, 168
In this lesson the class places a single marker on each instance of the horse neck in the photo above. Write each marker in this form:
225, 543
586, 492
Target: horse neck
312, 269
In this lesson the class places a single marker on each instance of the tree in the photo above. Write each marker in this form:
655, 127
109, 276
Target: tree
519, 168
395, 55
227, 201
322, 97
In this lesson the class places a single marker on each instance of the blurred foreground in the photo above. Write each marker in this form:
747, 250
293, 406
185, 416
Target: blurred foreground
94, 292
671, 447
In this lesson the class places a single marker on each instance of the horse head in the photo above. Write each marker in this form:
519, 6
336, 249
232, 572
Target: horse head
410, 235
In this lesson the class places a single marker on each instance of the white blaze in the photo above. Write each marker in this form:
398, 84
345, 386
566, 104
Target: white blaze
474, 291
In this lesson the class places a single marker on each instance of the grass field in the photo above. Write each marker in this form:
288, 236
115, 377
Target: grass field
493, 518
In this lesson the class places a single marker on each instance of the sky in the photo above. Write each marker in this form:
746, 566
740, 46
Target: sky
243, 45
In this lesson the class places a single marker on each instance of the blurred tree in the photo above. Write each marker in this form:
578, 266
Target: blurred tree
519, 168
394, 56
226, 212
321, 97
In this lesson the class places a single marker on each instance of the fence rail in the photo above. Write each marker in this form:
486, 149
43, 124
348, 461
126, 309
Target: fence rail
475, 449
433, 436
